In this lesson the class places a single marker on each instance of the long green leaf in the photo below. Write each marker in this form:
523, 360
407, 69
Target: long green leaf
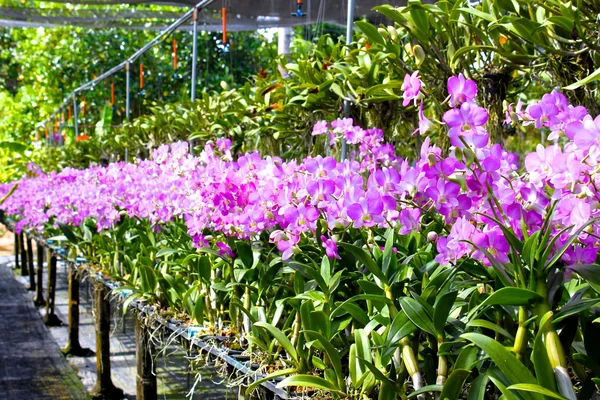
333, 355
371, 32
365, 258
309, 381
539, 357
508, 296
281, 338
482, 323
417, 314
442, 310
453, 386
594, 76
276, 374
532, 388
512, 368
478, 387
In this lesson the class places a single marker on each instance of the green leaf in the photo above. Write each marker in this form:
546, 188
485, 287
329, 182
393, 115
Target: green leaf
15, 147
417, 314
371, 297
453, 386
309, 381
506, 394
68, 232
509, 296
574, 308
199, 310
568, 243
280, 337
512, 368
401, 326
477, 390
594, 76
370, 32
589, 272
442, 311
479, 14
532, 388
244, 251
426, 389
365, 258
482, 323
276, 374
541, 362
333, 355
165, 252
467, 357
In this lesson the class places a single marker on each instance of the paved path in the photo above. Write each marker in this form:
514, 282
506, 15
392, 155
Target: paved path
31, 364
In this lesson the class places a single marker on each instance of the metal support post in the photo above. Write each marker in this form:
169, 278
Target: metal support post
73, 347
39, 293
194, 65
349, 25
127, 96
50, 318
146, 379
194, 53
75, 115
104, 389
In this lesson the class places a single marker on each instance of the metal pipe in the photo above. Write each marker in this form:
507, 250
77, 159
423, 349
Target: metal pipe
75, 116
157, 40
349, 25
194, 54
127, 90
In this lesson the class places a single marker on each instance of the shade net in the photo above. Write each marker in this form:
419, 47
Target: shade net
242, 15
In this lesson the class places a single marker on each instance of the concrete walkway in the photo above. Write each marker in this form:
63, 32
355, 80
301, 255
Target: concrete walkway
31, 364
175, 380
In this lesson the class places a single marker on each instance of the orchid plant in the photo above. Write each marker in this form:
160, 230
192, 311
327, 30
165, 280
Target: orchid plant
452, 276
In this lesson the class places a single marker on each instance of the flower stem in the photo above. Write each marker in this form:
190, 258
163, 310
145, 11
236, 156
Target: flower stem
521, 338
554, 348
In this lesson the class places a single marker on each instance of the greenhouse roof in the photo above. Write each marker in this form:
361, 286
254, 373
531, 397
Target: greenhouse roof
241, 14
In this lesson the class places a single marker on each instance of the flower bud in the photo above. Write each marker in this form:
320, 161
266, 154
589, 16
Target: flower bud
383, 32
458, 154
432, 237
393, 33
419, 54
431, 159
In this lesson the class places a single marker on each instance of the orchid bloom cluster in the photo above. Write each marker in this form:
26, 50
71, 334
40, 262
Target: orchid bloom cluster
469, 192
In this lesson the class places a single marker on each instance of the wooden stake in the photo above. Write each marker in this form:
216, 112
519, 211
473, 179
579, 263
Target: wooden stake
146, 379
50, 319
32, 286
104, 389
24, 270
39, 294
17, 249
73, 347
